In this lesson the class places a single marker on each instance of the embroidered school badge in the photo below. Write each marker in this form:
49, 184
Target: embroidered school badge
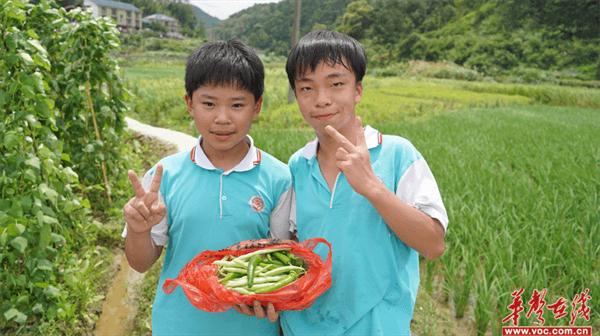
256, 202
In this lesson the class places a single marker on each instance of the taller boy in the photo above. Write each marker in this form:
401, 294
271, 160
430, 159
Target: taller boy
372, 196
222, 191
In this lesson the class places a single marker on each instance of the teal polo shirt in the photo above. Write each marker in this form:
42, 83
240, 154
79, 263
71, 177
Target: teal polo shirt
375, 276
210, 209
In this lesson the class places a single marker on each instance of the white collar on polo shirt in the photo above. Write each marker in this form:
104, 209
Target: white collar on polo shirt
250, 160
372, 136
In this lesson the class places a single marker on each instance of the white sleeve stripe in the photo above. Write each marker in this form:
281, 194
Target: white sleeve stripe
293, 227
279, 226
437, 214
417, 187
159, 239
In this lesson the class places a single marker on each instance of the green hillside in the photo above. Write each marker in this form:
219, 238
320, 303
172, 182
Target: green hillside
493, 37
533, 39
209, 21
269, 26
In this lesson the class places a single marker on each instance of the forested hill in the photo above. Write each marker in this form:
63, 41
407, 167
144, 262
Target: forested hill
204, 17
491, 36
269, 26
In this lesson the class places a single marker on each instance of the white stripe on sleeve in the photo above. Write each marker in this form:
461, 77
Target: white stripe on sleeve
293, 226
279, 226
417, 188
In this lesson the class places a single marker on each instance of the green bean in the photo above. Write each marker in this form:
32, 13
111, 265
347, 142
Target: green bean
276, 262
282, 269
259, 252
279, 284
297, 262
231, 276
242, 290
252, 262
284, 259
235, 269
265, 268
259, 286
240, 263
226, 263
243, 281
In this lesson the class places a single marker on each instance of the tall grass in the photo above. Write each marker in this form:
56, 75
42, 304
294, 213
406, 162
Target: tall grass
521, 188
543, 94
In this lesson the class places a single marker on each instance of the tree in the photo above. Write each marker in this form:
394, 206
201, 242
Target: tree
70, 3
276, 18
357, 19
295, 36
186, 17
156, 26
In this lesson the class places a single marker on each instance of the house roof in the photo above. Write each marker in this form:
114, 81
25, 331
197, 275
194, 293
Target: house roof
115, 4
158, 17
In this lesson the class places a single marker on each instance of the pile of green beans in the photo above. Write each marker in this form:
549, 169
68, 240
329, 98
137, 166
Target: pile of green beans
261, 271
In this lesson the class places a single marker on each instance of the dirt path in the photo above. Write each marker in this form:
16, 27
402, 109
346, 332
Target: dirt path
118, 309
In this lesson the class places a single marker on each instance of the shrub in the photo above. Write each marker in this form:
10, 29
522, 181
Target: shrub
63, 118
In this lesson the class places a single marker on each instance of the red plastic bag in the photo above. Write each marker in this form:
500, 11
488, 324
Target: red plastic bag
201, 286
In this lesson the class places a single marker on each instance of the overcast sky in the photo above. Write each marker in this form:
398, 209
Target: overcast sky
222, 9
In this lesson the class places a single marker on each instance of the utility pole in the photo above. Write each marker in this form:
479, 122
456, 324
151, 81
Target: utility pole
295, 36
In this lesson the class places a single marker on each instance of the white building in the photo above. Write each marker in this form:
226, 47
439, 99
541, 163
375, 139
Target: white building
170, 24
127, 17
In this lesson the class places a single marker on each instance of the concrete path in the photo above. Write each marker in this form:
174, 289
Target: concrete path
181, 140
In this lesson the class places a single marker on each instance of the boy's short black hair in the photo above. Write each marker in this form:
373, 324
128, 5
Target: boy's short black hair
225, 63
330, 47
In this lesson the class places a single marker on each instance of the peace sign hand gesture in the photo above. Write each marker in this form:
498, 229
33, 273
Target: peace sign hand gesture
144, 210
354, 160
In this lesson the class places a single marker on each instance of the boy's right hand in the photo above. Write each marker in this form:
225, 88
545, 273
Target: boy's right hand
144, 210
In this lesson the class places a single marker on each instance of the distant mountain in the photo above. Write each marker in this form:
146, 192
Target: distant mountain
268, 27
494, 37
209, 21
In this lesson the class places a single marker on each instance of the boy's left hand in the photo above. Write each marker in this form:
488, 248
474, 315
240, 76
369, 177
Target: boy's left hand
354, 160
259, 311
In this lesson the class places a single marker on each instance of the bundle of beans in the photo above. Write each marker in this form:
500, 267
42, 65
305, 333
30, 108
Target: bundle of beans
288, 274
261, 271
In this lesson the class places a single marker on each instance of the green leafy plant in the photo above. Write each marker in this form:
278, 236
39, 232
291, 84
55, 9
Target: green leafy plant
63, 108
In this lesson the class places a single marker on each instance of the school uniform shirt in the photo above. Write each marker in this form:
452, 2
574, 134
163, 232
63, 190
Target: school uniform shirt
375, 276
210, 209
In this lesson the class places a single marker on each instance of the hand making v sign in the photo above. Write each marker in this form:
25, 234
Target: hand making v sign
354, 160
145, 209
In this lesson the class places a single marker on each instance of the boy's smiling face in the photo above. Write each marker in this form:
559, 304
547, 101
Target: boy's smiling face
223, 115
328, 96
